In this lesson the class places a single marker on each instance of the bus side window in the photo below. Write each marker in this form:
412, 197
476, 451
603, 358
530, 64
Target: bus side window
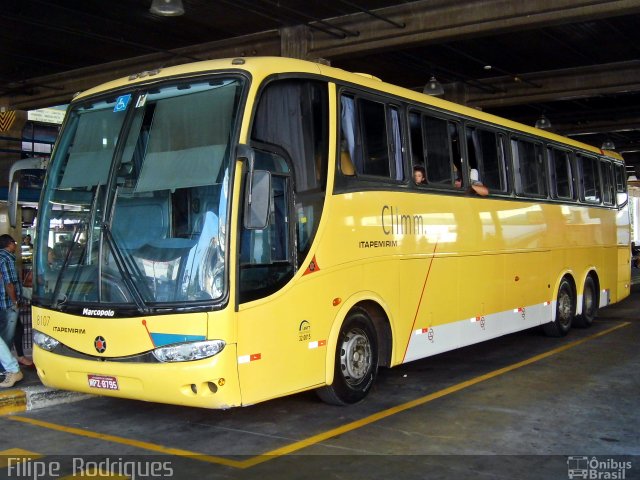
293, 115
608, 188
589, 179
528, 158
441, 151
486, 154
561, 173
621, 187
374, 139
371, 139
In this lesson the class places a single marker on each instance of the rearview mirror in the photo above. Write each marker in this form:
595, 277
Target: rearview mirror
12, 198
257, 200
257, 193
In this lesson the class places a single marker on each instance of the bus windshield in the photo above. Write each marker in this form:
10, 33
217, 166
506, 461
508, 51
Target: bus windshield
134, 210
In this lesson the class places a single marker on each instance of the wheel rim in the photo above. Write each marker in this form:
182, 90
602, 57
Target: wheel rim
565, 308
355, 356
589, 300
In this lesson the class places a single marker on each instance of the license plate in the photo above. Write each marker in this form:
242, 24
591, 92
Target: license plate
103, 381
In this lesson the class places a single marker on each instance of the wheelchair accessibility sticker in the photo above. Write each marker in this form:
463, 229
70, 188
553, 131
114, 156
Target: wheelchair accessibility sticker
122, 102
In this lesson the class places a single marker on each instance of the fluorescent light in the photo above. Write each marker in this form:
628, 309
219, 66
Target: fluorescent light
167, 8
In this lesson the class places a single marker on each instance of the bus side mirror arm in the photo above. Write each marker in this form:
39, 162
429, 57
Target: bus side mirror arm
12, 198
257, 199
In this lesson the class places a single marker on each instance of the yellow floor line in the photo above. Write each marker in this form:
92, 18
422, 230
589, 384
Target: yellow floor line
307, 442
16, 455
127, 441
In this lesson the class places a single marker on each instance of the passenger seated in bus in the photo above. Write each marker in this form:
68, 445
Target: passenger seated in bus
457, 170
476, 184
419, 175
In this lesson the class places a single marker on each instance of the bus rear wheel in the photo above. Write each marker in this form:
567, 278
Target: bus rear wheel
565, 311
356, 361
589, 304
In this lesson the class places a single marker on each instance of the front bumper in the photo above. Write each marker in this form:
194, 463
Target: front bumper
208, 383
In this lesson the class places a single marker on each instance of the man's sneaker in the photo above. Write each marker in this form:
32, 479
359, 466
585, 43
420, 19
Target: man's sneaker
11, 379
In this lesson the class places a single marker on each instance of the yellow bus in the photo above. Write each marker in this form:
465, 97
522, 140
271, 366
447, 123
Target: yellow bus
227, 232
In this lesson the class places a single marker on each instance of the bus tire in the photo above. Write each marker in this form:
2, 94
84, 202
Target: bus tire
356, 361
565, 311
589, 304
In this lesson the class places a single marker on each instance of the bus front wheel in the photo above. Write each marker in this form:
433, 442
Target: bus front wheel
589, 304
356, 361
565, 311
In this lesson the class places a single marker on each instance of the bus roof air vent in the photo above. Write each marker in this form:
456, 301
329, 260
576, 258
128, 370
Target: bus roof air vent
368, 75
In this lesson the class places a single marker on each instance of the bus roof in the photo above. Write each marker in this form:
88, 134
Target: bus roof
262, 67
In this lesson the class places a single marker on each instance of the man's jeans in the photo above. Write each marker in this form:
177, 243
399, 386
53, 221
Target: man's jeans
8, 320
8, 361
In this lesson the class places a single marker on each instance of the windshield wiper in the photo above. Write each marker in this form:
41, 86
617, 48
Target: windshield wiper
125, 271
81, 226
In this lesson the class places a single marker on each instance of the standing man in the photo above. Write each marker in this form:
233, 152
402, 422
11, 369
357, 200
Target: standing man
10, 292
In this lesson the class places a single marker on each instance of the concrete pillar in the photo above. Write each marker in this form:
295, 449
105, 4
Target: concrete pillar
294, 41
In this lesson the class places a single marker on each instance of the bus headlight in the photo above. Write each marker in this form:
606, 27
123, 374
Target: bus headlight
44, 341
185, 352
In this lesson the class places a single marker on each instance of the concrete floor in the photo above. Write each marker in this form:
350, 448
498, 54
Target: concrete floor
514, 407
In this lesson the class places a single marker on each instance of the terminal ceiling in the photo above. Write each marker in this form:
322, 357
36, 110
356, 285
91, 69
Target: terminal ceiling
575, 61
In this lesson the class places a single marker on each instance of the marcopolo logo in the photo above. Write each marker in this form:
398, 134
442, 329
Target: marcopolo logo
597, 468
101, 344
98, 313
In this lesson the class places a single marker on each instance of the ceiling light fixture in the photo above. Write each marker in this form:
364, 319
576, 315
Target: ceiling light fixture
167, 8
543, 123
433, 87
608, 145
